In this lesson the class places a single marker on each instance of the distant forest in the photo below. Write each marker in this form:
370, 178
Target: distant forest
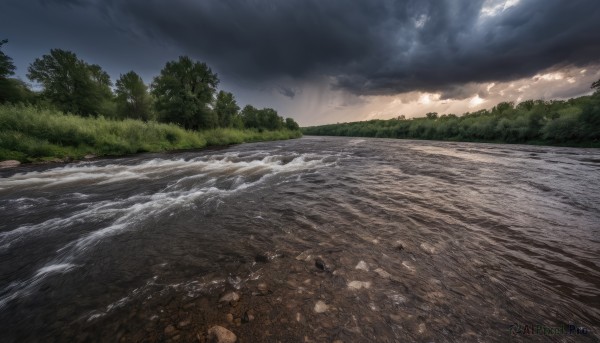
574, 122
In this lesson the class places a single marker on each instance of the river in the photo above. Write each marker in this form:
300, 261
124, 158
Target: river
323, 239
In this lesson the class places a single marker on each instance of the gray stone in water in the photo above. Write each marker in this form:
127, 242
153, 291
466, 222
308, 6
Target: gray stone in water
219, 334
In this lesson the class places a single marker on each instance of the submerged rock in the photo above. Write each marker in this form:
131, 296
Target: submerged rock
219, 334
9, 164
305, 256
362, 265
355, 285
319, 263
321, 307
170, 330
428, 248
231, 296
260, 258
383, 273
263, 287
248, 316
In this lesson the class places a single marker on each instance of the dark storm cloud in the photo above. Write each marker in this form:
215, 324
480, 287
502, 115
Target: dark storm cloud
286, 91
368, 47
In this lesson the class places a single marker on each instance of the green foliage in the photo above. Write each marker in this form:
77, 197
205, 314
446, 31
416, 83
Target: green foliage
7, 67
226, 109
11, 90
431, 115
33, 134
572, 122
183, 91
263, 119
70, 84
132, 98
290, 124
15, 91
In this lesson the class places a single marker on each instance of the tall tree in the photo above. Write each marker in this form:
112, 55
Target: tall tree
71, 84
184, 91
249, 117
7, 68
11, 90
226, 109
133, 100
291, 124
596, 86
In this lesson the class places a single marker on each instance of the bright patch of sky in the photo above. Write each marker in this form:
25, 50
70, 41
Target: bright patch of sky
421, 21
494, 7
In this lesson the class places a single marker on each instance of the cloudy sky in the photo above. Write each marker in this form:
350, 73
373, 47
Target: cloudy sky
327, 61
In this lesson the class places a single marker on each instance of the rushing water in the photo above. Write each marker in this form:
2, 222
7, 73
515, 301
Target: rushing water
414, 241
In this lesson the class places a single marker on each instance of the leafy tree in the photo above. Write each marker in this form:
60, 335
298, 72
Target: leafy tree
249, 117
15, 91
11, 90
133, 100
503, 107
226, 109
183, 91
596, 87
71, 84
268, 119
431, 115
291, 124
7, 68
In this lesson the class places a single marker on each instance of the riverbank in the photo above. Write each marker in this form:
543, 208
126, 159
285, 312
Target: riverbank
572, 123
32, 135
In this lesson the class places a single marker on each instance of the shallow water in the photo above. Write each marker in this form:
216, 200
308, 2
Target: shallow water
415, 241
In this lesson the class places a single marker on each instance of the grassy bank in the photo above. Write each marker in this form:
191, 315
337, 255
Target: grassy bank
29, 134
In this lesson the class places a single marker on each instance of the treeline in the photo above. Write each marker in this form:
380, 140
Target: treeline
572, 122
184, 93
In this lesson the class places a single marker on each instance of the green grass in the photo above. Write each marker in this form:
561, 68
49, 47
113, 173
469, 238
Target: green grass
29, 134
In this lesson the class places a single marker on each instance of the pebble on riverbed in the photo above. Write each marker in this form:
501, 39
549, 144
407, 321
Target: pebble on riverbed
383, 273
229, 297
321, 307
219, 334
362, 265
355, 285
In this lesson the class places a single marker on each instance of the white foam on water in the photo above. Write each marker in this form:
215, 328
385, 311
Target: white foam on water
129, 213
54, 268
157, 168
23, 288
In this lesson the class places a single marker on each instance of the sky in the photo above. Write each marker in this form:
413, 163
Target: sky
328, 61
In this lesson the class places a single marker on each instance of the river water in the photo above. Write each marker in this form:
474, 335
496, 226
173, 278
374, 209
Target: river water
323, 239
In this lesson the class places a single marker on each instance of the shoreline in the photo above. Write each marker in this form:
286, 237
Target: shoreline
11, 165
592, 145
